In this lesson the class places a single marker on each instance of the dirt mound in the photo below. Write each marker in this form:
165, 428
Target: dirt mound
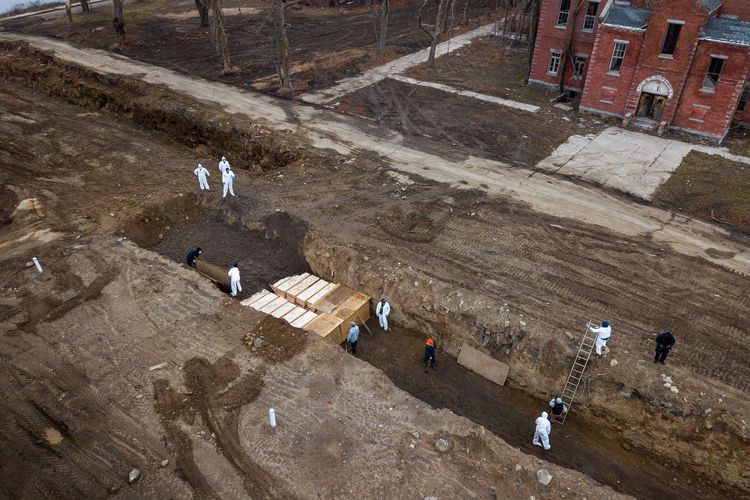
8, 202
275, 339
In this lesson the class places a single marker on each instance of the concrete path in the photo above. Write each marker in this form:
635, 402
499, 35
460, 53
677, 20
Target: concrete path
347, 135
631, 162
374, 75
467, 93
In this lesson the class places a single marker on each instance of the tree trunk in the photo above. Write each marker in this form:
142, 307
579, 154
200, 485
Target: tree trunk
569, 50
69, 11
385, 11
533, 25
281, 44
85, 7
465, 17
440, 20
118, 22
220, 35
202, 6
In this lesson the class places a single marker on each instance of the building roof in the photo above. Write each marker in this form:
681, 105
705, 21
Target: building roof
711, 5
625, 16
732, 31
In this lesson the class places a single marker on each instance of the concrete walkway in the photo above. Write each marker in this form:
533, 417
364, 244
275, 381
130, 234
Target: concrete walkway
631, 162
374, 75
347, 135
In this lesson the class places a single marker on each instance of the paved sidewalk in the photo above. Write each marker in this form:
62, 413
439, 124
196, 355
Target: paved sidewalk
347, 135
629, 161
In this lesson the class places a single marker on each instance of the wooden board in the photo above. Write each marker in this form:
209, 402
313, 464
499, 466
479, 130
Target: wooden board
331, 301
295, 313
273, 305
484, 365
303, 320
283, 310
300, 287
315, 299
263, 301
255, 297
289, 283
276, 285
303, 297
327, 326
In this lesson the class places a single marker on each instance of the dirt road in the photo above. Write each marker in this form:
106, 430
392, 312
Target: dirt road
325, 130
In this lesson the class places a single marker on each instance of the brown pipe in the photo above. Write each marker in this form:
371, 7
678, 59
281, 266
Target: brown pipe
215, 273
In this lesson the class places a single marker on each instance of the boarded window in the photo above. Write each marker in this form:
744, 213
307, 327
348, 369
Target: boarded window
578, 67
618, 55
713, 74
562, 16
744, 98
588, 21
554, 62
670, 40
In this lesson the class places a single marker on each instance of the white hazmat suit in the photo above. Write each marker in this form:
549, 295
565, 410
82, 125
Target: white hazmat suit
602, 336
223, 165
228, 179
201, 172
382, 311
541, 433
234, 280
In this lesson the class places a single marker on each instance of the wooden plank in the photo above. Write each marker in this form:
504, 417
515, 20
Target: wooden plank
263, 301
255, 297
283, 310
295, 313
303, 320
276, 285
303, 297
356, 308
331, 301
315, 299
484, 365
327, 326
273, 305
300, 287
286, 285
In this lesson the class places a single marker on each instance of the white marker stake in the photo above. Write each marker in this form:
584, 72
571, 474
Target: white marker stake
272, 417
37, 264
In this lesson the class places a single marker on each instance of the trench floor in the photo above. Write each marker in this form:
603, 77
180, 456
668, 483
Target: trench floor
510, 414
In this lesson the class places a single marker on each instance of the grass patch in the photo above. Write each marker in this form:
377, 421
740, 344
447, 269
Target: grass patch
711, 188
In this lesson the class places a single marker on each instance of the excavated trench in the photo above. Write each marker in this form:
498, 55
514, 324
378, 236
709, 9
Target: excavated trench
272, 247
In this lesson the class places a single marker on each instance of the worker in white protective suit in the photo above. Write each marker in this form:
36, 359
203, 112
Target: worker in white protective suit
382, 311
602, 336
223, 165
201, 172
541, 433
234, 280
228, 179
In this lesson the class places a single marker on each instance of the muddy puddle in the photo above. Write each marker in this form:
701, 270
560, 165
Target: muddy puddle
510, 414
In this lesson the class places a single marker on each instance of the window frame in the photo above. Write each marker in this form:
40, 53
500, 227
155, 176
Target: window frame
711, 87
591, 17
671, 23
624, 44
552, 54
561, 12
576, 75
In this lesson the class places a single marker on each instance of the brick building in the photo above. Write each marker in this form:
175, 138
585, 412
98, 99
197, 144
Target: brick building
685, 63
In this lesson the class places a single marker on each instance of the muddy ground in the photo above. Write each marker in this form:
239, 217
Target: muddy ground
325, 44
502, 273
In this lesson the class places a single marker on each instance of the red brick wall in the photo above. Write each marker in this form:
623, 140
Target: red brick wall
744, 116
673, 69
739, 8
712, 113
607, 92
550, 37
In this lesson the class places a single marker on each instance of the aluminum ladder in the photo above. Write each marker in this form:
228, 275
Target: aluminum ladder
575, 376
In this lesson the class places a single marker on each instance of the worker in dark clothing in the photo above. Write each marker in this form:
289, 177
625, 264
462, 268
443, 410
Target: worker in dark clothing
664, 342
429, 355
192, 255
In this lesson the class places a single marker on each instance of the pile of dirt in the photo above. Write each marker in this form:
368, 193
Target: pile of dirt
8, 203
275, 339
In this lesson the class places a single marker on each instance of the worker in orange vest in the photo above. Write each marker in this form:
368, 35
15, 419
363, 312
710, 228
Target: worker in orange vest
429, 355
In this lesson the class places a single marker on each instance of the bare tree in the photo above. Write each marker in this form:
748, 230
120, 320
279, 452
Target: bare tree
281, 41
219, 37
118, 22
85, 7
569, 50
385, 11
435, 31
465, 17
202, 6
69, 10
533, 26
